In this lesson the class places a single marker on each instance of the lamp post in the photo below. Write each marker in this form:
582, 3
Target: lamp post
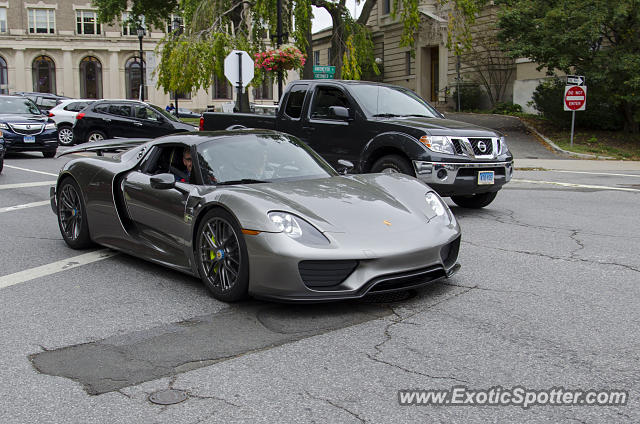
176, 26
458, 78
141, 34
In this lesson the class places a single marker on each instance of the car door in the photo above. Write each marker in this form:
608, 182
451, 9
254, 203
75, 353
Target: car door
290, 118
331, 136
148, 123
119, 120
159, 214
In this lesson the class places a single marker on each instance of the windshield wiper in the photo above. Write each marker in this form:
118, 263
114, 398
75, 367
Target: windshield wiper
242, 181
386, 115
418, 115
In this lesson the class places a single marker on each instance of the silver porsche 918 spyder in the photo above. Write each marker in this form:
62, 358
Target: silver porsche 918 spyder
255, 212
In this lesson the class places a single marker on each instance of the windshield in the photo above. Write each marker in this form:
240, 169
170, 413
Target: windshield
255, 158
165, 113
18, 105
383, 101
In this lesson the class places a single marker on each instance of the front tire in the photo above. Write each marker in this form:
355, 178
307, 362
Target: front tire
65, 135
72, 215
392, 164
96, 135
221, 255
475, 201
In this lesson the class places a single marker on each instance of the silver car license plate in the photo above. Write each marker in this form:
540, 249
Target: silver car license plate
29, 139
485, 177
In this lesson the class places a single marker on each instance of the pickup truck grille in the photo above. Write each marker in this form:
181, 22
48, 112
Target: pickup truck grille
457, 144
481, 146
475, 147
26, 129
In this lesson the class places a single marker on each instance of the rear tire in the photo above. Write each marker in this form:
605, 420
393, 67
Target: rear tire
72, 215
221, 256
65, 135
49, 153
96, 135
475, 201
392, 164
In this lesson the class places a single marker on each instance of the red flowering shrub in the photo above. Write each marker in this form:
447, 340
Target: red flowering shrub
280, 60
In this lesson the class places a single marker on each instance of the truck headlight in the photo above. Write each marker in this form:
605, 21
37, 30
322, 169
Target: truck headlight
297, 228
504, 149
438, 143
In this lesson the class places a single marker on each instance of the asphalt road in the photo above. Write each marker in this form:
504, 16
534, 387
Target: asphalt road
547, 296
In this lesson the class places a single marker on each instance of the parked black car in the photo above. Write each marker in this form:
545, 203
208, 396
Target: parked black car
2, 149
44, 101
385, 128
106, 119
24, 127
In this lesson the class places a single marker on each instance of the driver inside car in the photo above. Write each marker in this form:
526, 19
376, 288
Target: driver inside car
186, 175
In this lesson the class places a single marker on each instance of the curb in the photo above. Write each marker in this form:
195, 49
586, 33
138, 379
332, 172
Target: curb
559, 149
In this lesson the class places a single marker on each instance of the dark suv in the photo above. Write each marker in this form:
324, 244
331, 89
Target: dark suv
44, 101
124, 118
24, 127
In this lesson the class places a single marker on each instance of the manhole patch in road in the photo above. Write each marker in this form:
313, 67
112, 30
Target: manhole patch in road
168, 397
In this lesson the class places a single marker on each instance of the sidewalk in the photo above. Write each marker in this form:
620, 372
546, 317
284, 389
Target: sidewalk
578, 165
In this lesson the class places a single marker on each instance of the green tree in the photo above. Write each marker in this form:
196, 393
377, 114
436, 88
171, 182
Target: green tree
596, 38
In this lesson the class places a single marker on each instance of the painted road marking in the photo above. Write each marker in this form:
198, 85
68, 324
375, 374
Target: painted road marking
25, 206
23, 185
55, 267
597, 187
30, 170
598, 173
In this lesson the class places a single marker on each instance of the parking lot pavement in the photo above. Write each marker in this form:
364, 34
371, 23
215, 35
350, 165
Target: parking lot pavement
547, 296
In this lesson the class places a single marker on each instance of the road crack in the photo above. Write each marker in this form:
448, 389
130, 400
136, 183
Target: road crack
335, 405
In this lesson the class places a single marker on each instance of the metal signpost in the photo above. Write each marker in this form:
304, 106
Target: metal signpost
324, 72
575, 98
238, 68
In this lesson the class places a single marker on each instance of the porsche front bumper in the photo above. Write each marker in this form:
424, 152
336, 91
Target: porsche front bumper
275, 265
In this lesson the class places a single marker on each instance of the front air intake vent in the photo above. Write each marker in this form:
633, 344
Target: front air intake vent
325, 274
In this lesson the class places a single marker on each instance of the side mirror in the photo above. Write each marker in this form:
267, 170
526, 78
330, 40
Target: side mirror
163, 181
345, 166
340, 112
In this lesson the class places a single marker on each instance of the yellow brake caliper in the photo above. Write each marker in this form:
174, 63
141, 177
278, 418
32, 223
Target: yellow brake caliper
212, 255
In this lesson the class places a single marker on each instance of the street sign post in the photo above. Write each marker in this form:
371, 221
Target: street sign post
575, 80
239, 70
575, 99
324, 72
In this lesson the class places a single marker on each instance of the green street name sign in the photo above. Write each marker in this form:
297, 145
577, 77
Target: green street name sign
324, 70
323, 76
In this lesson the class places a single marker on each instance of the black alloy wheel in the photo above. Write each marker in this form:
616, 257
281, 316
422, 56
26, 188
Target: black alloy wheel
72, 215
221, 253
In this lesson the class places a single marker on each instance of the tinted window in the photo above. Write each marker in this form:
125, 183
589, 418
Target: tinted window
120, 110
380, 100
101, 108
295, 100
324, 98
76, 106
47, 102
143, 112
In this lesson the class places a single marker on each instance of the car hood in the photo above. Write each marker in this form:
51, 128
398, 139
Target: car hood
22, 118
439, 126
346, 204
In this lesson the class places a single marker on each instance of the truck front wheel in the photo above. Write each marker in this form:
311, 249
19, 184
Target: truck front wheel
475, 201
391, 164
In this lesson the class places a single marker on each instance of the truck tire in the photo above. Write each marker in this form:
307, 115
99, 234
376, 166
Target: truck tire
393, 163
475, 201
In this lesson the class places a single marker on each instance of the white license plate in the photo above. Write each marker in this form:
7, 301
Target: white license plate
485, 177
29, 139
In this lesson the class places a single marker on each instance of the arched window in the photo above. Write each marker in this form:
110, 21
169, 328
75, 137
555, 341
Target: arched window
90, 78
4, 78
132, 79
44, 75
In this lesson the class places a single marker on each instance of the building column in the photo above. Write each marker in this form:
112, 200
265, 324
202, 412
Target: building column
69, 89
114, 78
20, 83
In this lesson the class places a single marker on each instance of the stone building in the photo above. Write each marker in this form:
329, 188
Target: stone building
58, 46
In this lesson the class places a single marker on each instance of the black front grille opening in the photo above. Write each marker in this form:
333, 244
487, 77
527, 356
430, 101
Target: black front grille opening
475, 142
408, 281
325, 275
457, 144
391, 297
473, 172
449, 253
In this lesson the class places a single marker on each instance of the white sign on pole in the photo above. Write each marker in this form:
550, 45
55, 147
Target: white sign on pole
232, 68
150, 68
575, 80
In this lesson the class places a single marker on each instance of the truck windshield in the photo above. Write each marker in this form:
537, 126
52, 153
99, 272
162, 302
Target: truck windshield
18, 106
387, 102
259, 158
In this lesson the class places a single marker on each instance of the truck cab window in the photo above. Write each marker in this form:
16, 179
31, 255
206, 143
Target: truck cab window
295, 101
324, 98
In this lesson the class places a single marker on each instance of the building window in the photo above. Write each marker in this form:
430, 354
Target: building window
264, 91
90, 78
42, 21
316, 58
44, 75
87, 22
221, 88
181, 96
407, 58
3, 20
172, 18
4, 78
386, 7
130, 27
132, 79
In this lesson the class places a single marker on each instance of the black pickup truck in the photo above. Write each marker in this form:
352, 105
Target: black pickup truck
384, 128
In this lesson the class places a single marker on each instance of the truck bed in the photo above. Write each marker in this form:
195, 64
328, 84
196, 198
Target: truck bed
214, 121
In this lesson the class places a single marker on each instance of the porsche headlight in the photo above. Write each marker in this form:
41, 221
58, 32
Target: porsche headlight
438, 143
50, 126
435, 204
297, 228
